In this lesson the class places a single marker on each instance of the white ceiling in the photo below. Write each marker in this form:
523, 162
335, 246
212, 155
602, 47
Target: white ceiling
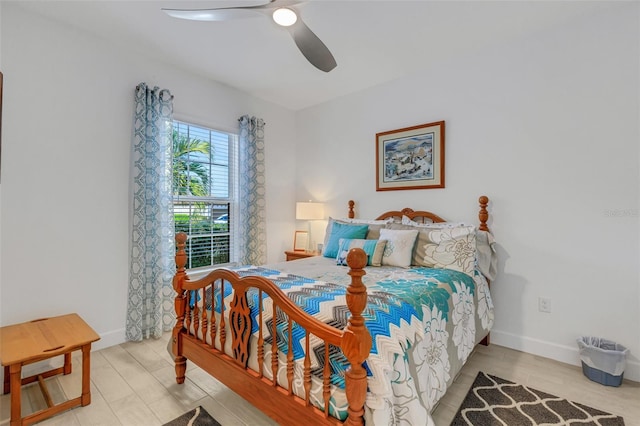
373, 41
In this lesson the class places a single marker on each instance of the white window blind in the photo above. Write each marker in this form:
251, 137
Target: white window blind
203, 192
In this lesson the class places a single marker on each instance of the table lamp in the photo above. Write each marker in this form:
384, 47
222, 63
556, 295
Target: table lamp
309, 211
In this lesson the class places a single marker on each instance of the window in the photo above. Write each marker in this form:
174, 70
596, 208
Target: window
203, 192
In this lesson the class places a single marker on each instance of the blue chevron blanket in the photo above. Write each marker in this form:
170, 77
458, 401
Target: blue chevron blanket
424, 324
327, 301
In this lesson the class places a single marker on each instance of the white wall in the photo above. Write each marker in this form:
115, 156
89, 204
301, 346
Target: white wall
548, 128
0, 161
65, 173
0, 34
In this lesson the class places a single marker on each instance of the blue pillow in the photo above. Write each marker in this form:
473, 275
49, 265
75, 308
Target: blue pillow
342, 230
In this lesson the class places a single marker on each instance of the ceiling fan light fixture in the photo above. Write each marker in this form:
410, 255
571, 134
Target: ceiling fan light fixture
284, 17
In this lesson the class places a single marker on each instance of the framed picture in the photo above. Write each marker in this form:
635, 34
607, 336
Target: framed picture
410, 158
300, 241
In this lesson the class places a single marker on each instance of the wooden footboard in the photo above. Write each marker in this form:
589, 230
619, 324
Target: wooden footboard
201, 336
219, 338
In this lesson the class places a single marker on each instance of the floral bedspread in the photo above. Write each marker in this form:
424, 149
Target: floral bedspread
453, 311
424, 323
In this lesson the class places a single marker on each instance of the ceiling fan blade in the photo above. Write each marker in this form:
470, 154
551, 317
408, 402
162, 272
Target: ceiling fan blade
312, 47
224, 14
228, 13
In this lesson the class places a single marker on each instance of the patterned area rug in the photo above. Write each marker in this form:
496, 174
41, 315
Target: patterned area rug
495, 401
196, 417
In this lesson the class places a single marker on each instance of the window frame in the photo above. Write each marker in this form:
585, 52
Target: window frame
231, 200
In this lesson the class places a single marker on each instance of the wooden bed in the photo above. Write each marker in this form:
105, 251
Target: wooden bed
196, 327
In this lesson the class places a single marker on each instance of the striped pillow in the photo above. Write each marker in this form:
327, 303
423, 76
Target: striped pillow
373, 248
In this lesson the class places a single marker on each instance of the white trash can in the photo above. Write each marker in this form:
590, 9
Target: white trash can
603, 361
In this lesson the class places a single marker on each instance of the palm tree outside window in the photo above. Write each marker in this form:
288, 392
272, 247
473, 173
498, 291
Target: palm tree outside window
204, 192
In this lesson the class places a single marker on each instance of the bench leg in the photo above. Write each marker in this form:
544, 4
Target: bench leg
86, 380
7, 381
16, 379
67, 363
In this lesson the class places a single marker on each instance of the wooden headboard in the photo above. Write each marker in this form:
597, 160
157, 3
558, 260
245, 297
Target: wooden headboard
425, 216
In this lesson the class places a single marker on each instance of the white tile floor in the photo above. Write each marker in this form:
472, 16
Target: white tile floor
134, 384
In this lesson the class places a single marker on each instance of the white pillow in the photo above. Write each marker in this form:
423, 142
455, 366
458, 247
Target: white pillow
397, 251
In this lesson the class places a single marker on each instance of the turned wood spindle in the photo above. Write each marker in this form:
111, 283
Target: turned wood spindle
223, 323
483, 214
213, 332
260, 337
204, 312
196, 311
307, 371
351, 212
179, 306
356, 339
326, 383
274, 346
290, 357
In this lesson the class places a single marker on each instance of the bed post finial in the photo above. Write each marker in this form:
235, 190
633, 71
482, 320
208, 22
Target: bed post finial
356, 340
181, 258
483, 214
351, 213
179, 305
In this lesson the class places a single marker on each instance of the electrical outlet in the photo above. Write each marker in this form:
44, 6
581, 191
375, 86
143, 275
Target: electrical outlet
544, 304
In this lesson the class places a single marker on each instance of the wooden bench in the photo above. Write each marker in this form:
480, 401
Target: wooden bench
38, 340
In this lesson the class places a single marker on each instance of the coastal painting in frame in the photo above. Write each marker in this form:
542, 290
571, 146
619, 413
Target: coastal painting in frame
410, 158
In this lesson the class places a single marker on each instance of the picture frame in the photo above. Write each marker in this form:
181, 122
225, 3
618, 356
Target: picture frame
300, 241
410, 158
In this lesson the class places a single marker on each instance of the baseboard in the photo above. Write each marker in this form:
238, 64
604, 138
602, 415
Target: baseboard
110, 338
562, 353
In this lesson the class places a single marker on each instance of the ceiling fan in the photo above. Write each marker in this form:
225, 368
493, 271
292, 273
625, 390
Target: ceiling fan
282, 13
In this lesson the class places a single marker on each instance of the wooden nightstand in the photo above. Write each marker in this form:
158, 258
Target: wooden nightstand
293, 255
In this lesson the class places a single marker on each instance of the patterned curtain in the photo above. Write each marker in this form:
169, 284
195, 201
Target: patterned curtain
252, 204
150, 302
